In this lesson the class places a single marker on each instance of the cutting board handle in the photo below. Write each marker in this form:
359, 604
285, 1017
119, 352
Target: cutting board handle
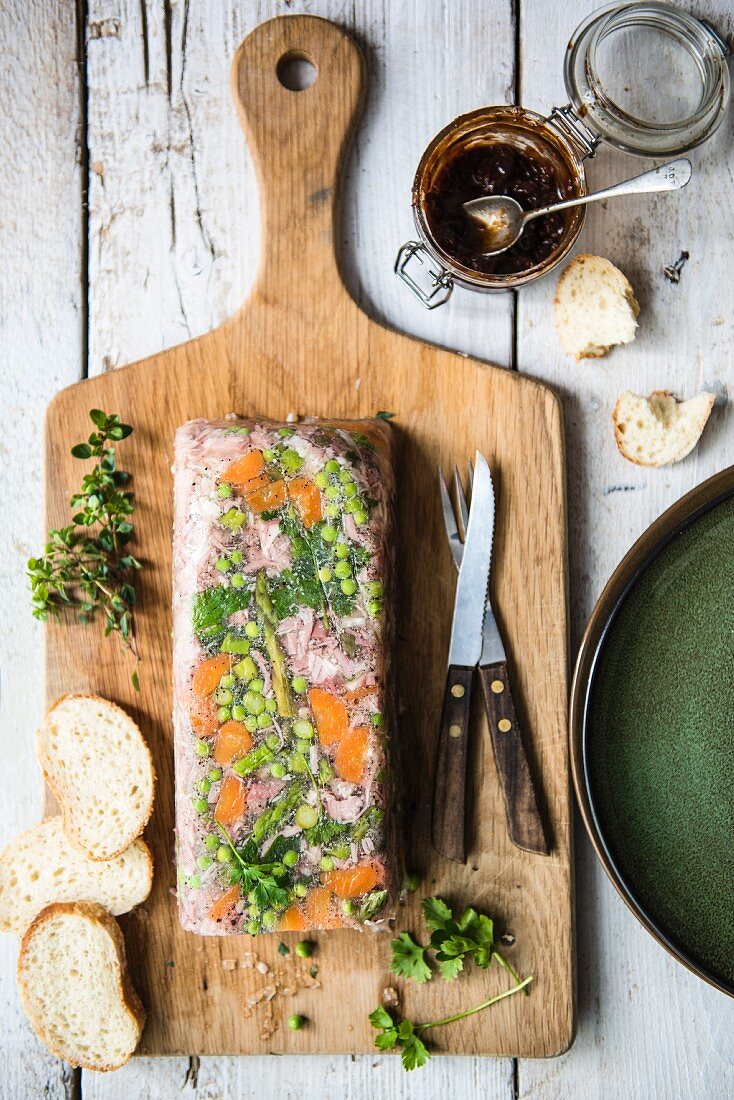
298, 139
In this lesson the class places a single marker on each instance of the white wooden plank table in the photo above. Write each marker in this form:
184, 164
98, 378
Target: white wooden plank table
130, 101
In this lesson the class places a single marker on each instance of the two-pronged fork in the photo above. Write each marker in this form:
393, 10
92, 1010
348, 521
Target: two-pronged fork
523, 819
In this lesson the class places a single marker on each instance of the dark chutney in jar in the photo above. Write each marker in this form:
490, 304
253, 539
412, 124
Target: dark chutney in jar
496, 168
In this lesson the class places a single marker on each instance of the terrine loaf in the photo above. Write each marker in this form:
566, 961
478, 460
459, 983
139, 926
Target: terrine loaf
284, 803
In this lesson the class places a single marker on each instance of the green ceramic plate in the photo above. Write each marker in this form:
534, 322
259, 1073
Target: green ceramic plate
654, 725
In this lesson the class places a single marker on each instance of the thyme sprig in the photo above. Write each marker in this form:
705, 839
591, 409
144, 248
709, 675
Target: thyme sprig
86, 566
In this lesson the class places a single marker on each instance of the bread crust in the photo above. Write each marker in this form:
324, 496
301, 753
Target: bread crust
128, 995
7, 854
579, 261
65, 809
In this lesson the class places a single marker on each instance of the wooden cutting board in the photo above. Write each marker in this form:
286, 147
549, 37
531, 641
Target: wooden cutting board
301, 344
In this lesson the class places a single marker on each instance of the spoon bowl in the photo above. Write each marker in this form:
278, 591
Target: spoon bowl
501, 218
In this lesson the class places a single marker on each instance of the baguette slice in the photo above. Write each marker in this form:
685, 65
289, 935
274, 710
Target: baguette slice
75, 989
594, 307
100, 770
658, 430
41, 866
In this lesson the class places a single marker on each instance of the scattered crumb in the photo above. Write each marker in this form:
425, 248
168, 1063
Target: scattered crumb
254, 999
248, 960
269, 1024
283, 982
390, 997
507, 939
291, 418
228, 964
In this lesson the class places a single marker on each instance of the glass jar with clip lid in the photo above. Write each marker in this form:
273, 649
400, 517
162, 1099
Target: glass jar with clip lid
504, 150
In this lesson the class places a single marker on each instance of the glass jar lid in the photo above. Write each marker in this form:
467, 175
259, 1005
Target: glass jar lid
648, 78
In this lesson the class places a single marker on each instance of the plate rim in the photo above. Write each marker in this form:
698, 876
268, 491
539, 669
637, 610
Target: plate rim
677, 518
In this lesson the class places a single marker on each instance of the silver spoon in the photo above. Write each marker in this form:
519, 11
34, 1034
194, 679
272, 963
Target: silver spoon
503, 219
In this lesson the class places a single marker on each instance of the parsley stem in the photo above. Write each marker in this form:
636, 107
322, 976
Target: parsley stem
508, 966
478, 1008
228, 838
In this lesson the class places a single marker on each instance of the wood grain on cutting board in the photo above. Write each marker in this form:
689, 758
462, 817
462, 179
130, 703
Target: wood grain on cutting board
300, 344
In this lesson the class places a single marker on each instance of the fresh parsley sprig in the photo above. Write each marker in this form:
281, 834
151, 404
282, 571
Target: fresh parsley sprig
407, 1037
409, 959
87, 565
470, 936
266, 881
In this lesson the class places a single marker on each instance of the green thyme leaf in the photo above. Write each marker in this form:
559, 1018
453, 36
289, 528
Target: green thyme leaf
86, 565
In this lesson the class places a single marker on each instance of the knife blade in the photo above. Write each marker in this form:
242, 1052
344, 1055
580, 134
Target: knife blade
449, 792
473, 584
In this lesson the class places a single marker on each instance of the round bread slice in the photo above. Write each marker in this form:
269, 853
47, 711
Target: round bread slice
42, 866
594, 307
658, 430
100, 770
75, 989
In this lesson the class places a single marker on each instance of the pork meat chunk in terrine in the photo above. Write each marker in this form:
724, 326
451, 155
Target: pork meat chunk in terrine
284, 810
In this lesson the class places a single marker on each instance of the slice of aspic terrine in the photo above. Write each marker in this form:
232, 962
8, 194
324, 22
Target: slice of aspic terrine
281, 563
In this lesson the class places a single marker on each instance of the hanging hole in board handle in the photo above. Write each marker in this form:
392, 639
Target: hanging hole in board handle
296, 71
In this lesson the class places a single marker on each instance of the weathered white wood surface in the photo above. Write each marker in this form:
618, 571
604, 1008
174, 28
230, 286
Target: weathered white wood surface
647, 1028
173, 228
41, 326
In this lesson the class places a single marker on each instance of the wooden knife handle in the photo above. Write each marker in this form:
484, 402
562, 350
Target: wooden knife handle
449, 782
523, 819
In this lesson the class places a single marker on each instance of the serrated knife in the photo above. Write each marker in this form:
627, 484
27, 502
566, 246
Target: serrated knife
449, 789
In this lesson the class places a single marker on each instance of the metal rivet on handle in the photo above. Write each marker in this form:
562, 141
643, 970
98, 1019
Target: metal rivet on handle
454, 731
504, 725
497, 686
458, 691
